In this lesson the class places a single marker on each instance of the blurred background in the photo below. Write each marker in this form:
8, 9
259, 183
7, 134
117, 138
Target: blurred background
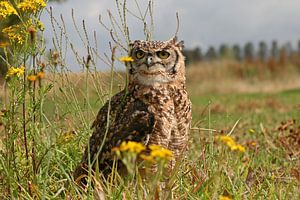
265, 31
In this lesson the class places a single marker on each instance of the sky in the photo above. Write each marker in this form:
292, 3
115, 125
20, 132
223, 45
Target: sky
203, 23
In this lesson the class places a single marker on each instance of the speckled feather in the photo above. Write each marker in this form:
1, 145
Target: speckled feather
129, 120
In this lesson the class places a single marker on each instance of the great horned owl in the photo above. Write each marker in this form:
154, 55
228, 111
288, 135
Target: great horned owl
153, 109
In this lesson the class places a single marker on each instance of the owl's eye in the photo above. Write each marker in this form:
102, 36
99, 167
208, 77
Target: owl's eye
163, 54
139, 54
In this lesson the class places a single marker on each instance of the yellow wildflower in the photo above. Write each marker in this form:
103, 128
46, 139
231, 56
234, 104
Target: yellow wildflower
238, 147
12, 71
126, 59
148, 158
229, 141
226, 139
31, 5
40, 25
31, 78
6, 9
15, 33
67, 136
160, 152
224, 198
131, 146
40, 75
3, 44
18, 32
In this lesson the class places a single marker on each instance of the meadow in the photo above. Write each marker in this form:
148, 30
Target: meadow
262, 116
245, 135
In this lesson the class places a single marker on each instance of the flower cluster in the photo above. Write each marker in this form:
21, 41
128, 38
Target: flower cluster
6, 9
229, 141
15, 33
31, 5
126, 59
156, 152
38, 76
222, 197
130, 146
19, 32
15, 71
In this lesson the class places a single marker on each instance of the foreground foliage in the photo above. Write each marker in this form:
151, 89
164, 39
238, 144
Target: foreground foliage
243, 145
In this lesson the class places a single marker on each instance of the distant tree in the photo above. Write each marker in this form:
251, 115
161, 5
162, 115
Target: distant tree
237, 52
211, 54
283, 57
197, 54
225, 51
193, 55
274, 50
299, 47
262, 51
249, 52
289, 50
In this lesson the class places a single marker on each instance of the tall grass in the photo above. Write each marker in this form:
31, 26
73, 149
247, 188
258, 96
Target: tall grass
45, 125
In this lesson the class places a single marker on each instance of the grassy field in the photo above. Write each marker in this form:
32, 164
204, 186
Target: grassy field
245, 136
260, 115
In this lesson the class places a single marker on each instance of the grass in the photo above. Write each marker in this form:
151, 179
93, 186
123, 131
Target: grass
266, 170
45, 124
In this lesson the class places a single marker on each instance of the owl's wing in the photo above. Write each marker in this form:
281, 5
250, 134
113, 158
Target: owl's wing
127, 119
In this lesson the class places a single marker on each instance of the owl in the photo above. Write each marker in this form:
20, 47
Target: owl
153, 109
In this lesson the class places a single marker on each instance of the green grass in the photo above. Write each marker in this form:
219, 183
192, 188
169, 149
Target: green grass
56, 112
255, 108
267, 170
267, 164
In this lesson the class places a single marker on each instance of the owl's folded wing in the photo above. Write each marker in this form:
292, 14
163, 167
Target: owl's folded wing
129, 120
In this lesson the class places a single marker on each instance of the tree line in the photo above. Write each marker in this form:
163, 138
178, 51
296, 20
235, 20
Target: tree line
263, 53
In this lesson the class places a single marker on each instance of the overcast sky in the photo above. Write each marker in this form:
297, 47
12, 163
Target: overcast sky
202, 22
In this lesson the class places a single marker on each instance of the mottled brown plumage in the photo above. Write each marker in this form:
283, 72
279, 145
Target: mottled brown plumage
155, 109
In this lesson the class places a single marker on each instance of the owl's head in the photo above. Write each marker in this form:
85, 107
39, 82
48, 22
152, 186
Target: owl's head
156, 62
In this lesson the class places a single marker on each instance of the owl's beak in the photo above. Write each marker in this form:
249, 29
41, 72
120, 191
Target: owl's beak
149, 61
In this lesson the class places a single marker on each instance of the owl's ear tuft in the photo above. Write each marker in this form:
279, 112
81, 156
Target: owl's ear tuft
131, 45
179, 44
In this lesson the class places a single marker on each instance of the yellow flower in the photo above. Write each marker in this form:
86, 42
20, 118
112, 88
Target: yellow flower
19, 32
229, 141
31, 78
15, 33
3, 44
238, 147
131, 146
226, 139
126, 59
40, 25
160, 152
40, 75
148, 158
224, 198
67, 136
12, 71
6, 9
31, 5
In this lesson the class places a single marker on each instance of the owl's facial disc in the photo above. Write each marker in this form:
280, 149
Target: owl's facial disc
152, 66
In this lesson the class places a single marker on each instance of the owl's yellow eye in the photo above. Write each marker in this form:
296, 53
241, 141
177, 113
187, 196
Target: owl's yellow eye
163, 54
139, 54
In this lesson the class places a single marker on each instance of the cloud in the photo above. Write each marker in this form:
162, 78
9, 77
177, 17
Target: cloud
202, 22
